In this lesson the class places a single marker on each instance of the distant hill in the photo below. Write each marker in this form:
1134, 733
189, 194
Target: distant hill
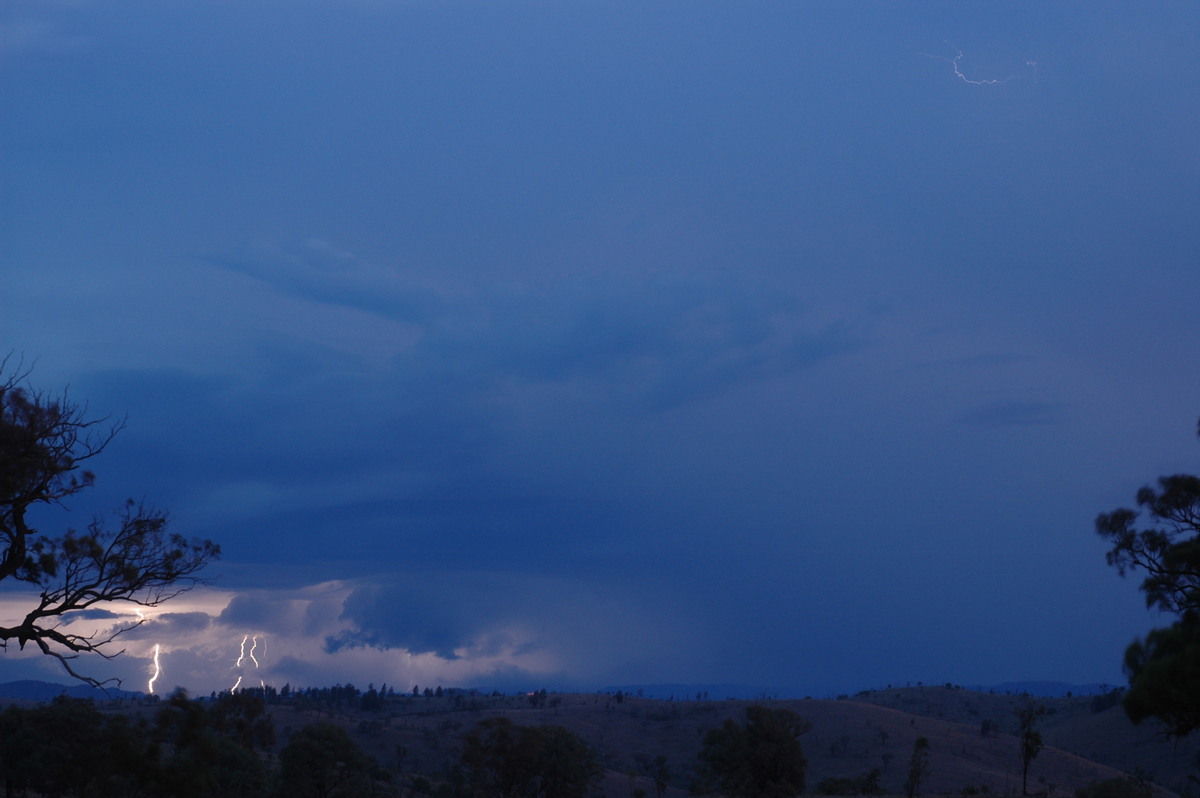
1047, 689
972, 735
973, 745
33, 690
1091, 728
711, 692
717, 692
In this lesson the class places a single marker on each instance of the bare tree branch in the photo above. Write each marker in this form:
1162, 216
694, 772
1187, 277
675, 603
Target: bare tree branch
44, 439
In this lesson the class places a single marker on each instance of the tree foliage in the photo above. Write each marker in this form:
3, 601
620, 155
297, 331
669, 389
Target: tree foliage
70, 748
662, 775
1030, 739
213, 748
45, 442
1162, 538
33, 755
761, 758
204, 755
323, 761
918, 767
511, 761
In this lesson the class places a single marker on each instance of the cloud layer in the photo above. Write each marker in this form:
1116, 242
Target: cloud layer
577, 344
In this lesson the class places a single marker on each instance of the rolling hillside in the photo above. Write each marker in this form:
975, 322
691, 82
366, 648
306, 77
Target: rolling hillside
973, 747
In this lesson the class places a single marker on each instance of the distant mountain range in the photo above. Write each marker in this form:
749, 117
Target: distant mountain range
716, 692
711, 692
33, 690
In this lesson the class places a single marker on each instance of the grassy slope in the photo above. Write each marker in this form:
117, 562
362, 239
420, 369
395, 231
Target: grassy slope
848, 738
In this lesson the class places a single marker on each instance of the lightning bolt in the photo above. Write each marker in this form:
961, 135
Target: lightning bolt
958, 73
242, 658
252, 655
253, 646
157, 671
157, 650
244, 655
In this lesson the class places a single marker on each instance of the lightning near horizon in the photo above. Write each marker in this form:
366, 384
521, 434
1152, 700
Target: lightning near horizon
243, 655
157, 671
141, 619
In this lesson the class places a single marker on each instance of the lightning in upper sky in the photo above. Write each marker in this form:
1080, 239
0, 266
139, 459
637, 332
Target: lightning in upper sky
958, 73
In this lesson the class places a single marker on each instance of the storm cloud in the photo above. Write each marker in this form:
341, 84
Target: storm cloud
581, 344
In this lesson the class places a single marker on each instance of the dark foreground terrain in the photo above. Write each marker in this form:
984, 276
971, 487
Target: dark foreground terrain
416, 742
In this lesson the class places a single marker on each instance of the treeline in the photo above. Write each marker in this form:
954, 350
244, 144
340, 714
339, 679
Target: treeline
349, 697
190, 749
225, 747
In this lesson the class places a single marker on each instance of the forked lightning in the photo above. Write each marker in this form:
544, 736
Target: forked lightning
958, 73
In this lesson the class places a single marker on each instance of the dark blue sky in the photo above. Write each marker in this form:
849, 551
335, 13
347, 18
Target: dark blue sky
582, 343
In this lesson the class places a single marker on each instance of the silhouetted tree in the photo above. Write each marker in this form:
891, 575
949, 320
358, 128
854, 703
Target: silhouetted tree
52, 767
1030, 738
45, 441
918, 767
241, 717
511, 761
662, 775
761, 758
1104, 701
371, 700
1164, 668
204, 761
322, 761
69, 748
